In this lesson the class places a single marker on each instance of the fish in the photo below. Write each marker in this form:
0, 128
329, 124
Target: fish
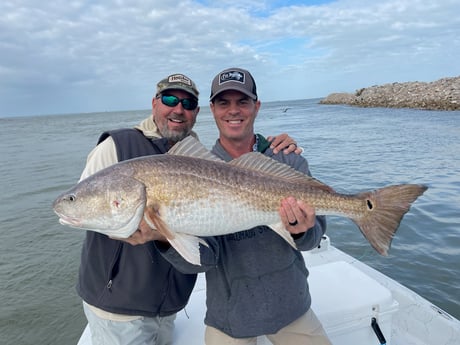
189, 193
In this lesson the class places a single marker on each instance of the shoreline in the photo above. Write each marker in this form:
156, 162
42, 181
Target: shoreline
442, 94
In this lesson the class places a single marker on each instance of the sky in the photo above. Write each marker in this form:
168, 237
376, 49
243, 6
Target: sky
75, 56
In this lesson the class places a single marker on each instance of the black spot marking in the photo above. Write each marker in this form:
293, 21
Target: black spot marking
370, 205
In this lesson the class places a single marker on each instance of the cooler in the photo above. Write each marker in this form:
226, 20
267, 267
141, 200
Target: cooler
346, 300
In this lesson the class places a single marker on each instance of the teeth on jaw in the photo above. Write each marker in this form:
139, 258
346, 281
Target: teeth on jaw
174, 120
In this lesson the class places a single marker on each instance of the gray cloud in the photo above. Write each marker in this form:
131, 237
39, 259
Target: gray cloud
78, 56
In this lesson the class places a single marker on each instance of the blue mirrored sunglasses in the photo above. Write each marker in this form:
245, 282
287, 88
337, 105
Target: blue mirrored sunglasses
172, 101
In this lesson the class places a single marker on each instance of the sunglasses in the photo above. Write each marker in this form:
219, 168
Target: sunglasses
172, 101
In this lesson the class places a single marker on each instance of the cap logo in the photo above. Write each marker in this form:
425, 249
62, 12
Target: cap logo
180, 78
231, 76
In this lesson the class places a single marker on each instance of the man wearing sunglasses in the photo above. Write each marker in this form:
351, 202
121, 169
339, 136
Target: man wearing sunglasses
130, 293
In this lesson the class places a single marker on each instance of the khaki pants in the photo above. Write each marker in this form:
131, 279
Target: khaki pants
306, 330
139, 331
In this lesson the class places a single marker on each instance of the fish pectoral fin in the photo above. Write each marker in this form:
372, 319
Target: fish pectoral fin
188, 246
286, 235
149, 221
153, 219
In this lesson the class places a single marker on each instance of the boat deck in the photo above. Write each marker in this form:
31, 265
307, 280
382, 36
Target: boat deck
346, 296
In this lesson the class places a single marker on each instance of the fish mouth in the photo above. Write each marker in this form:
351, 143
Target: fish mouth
69, 221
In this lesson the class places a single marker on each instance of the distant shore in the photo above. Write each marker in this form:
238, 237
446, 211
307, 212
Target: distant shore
443, 94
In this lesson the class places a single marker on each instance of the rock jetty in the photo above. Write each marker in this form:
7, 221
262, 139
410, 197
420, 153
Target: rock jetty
443, 94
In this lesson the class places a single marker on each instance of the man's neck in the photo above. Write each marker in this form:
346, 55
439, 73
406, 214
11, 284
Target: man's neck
236, 148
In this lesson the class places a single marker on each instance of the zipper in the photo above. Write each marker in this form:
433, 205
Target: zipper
116, 258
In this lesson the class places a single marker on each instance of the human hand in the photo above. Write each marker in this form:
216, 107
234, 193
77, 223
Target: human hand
284, 141
296, 215
143, 235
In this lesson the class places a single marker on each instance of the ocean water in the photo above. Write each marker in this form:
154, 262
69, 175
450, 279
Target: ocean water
351, 149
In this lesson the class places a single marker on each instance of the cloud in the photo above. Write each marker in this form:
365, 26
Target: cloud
82, 56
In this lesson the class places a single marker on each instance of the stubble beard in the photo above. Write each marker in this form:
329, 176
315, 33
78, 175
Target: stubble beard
174, 136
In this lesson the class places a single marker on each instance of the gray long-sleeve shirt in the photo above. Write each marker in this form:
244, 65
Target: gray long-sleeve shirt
256, 282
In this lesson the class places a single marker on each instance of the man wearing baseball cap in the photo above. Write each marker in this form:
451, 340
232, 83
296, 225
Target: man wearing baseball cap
259, 283
130, 293
177, 82
235, 79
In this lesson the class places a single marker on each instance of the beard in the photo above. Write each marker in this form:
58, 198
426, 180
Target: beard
174, 135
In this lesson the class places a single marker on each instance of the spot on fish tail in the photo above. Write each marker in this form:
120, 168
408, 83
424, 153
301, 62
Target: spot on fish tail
370, 205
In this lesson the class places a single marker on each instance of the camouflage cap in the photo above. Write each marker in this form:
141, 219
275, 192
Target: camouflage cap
177, 82
234, 79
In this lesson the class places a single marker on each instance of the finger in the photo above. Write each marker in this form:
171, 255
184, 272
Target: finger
278, 142
291, 148
283, 215
306, 209
308, 214
296, 210
287, 216
298, 150
133, 239
287, 205
281, 142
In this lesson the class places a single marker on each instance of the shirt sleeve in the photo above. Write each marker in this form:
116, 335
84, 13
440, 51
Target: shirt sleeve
102, 156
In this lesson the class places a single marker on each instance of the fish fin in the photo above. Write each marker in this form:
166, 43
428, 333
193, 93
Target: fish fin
153, 219
188, 246
148, 218
281, 230
191, 147
259, 162
385, 210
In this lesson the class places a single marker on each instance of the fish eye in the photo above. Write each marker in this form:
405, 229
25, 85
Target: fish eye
71, 197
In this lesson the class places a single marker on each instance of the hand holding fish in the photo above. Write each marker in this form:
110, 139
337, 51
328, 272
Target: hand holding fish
284, 142
142, 235
296, 215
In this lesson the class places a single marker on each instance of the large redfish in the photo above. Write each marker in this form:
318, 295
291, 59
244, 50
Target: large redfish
189, 193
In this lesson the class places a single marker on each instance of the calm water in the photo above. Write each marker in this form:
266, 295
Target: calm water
350, 149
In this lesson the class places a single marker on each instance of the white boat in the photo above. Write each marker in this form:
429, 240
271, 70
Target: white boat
357, 305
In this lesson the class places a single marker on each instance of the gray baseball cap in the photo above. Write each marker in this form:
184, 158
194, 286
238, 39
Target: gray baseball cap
234, 79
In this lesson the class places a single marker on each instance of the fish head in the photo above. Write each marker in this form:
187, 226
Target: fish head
108, 204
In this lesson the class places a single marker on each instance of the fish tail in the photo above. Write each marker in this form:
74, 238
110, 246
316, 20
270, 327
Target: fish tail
385, 208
